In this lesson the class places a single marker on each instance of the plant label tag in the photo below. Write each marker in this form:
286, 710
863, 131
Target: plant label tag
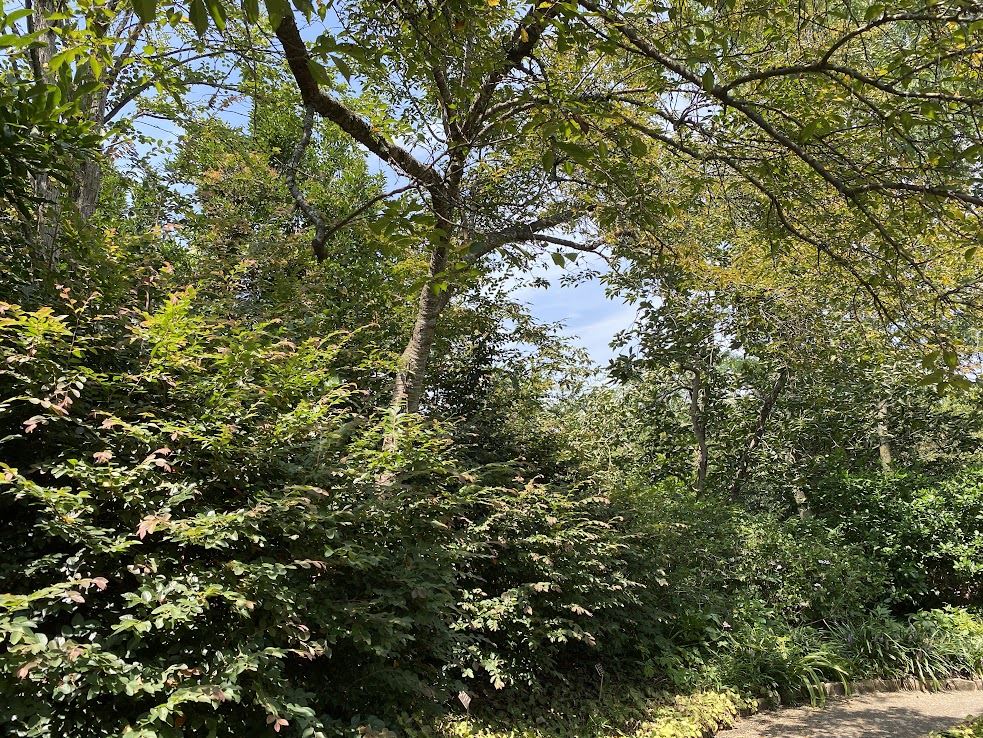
465, 699
599, 669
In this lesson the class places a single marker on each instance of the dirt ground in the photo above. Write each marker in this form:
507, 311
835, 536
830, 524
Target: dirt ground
884, 715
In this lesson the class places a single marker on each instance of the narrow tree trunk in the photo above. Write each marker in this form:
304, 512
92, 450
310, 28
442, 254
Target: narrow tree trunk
41, 53
90, 180
90, 174
412, 372
697, 416
801, 503
411, 376
45, 228
883, 437
744, 464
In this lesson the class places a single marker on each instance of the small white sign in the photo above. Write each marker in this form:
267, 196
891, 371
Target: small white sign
599, 669
465, 699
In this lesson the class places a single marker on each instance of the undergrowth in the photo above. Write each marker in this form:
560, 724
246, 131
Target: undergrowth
970, 729
630, 713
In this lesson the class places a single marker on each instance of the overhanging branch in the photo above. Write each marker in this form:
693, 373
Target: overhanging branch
299, 61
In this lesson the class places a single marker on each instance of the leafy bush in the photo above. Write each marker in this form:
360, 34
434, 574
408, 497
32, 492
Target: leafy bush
782, 667
722, 571
927, 532
204, 531
207, 529
931, 646
629, 714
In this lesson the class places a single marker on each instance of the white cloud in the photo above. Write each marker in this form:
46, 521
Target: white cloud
596, 336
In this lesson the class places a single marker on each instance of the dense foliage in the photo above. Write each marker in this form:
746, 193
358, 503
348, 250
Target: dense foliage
282, 452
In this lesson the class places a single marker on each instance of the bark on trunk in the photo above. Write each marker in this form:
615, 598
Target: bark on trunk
697, 413
744, 464
411, 376
90, 174
42, 53
801, 503
412, 373
45, 228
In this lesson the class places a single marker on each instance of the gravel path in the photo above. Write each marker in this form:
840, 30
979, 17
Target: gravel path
882, 715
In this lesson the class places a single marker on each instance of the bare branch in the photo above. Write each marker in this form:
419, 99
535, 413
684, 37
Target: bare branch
338, 225
290, 174
531, 231
332, 109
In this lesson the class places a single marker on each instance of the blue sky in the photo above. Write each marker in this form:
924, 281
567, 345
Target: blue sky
590, 318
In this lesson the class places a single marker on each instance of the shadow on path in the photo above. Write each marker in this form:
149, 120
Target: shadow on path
894, 715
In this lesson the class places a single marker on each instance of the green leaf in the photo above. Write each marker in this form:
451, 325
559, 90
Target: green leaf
558, 259
146, 10
708, 79
319, 73
198, 14
549, 159
216, 9
277, 10
15, 16
58, 60
12, 40
250, 8
576, 152
874, 11
346, 71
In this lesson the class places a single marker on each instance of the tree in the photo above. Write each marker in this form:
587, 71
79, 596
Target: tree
851, 128
104, 57
473, 71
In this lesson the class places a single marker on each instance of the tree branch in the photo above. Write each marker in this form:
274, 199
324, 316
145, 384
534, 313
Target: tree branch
531, 231
290, 175
524, 39
299, 61
759, 431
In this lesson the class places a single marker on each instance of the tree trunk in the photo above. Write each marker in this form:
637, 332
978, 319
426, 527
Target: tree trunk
42, 53
90, 174
883, 437
744, 464
697, 414
411, 375
801, 503
90, 180
44, 230
412, 372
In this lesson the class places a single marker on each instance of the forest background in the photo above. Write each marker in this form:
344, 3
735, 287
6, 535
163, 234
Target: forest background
284, 451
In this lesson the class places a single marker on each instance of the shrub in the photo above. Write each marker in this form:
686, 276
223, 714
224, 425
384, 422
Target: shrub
927, 532
630, 714
713, 570
930, 646
204, 532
